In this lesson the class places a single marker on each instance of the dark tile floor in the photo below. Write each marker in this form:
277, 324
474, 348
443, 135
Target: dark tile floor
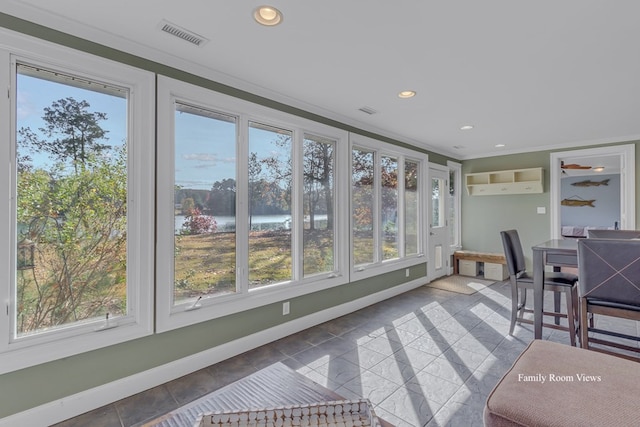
424, 358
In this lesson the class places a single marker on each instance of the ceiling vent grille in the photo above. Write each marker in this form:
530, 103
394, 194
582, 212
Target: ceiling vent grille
182, 33
367, 110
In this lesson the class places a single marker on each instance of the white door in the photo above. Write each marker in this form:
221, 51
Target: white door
438, 239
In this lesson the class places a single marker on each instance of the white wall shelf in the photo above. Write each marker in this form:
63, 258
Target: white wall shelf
517, 181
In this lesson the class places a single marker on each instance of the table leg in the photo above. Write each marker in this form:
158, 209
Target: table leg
538, 294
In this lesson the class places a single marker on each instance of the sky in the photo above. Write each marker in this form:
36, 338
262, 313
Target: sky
205, 148
34, 95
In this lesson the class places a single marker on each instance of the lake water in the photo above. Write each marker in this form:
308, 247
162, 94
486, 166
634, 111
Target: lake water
258, 222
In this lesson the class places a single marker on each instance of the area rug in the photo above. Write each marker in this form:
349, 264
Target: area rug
275, 385
460, 284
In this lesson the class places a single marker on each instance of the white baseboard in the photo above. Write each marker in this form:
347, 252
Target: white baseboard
79, 403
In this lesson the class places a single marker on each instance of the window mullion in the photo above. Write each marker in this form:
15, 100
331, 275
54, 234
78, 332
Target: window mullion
242, 207
401, 232
377, 206
297, 213
7, 192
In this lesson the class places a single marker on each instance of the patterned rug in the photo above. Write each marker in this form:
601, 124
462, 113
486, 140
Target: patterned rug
460, 284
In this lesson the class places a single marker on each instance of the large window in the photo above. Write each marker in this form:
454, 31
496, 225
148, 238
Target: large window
249, 209
80, 223
363, 206
387, 205
270, 192
455, 178
204, 203
411, 207
71, 202
251, 206
389, 209
319, 205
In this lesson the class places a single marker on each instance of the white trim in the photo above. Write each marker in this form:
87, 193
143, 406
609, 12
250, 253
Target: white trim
457, 168
627, 183
77, 339
170, 316
446, 248
79, 403
380, 148
7, 234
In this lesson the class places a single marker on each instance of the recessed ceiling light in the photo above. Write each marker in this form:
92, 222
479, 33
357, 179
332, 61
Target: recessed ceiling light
466, 127
499, 145
267, 15
598, 169
407, 94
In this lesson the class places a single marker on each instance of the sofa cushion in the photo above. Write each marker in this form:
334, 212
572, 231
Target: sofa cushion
553, 384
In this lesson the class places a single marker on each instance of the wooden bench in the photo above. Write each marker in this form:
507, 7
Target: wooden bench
553, 384
493, 258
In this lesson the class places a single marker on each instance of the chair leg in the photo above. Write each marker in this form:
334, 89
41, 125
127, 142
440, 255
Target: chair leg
570, 316
514, 306
556, 306
523, 303
584, 330
576, 311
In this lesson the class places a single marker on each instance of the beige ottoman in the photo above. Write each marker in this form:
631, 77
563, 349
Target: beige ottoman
553, 384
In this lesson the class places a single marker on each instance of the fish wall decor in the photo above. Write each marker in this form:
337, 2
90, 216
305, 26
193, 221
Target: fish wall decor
574, 166
589, 183
577, 202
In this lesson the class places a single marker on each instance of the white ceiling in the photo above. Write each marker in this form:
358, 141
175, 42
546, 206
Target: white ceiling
530, 75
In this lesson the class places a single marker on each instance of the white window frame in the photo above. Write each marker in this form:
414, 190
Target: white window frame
456, 168
67, 341
380, 148
171, 316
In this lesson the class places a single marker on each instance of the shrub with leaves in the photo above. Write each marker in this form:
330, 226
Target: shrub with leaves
196, 223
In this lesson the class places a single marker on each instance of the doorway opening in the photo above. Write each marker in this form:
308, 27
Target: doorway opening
592, 188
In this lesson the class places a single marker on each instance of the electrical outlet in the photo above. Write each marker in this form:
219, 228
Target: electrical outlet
406, 273
285, 308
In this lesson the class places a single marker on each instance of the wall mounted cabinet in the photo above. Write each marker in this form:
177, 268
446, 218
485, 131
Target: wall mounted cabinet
517, 181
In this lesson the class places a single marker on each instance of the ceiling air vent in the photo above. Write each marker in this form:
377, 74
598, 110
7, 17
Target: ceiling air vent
182, 33
367, 110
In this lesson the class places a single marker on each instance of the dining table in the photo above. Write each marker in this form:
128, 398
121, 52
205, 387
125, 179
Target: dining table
557, 253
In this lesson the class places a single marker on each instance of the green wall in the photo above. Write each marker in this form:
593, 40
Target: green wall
30, 387
37, 385
483, 217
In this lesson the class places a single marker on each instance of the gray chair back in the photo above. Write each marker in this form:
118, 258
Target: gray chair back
613, 234
609, 270
513, 252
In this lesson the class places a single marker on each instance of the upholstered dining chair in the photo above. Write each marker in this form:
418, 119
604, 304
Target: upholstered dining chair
558, 282
613, 234
609, 285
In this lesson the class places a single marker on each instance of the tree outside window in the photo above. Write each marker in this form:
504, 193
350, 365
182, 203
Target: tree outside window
72, 204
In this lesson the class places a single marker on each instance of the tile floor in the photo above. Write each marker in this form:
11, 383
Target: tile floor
424, 358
